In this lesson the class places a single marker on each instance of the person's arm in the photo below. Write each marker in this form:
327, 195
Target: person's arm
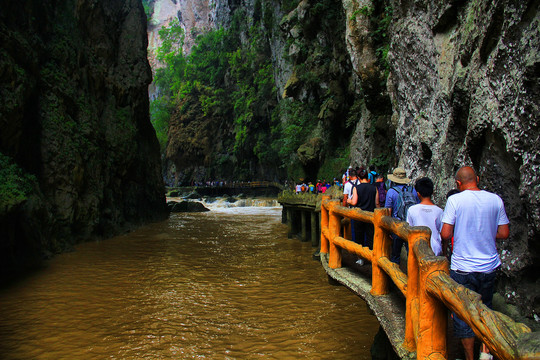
377, 204
354, 198
447, 232
503, 231
388, 201
345, 194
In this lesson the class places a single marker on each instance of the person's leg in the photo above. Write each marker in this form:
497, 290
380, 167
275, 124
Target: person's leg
361, 233
462, 331
468, 347
486, 288
397, 243
360, 239
370, 230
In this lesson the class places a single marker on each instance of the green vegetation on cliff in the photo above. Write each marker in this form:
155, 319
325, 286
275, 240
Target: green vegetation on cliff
228, 120
221, 84
15, 184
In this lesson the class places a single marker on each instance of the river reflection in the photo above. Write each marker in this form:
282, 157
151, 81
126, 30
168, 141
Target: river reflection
225, 284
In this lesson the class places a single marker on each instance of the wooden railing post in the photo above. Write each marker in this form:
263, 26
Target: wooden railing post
433, 316
382, 245
314, 239
289, 221
324, 225
303, 215
334, 260
411, 304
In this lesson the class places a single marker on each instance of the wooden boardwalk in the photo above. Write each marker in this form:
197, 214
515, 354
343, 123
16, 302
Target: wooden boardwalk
416, 315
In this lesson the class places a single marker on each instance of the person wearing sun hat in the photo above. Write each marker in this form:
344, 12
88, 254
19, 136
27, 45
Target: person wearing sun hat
399, 176
398, 187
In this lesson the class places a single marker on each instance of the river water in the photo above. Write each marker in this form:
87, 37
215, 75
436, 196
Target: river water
225, 284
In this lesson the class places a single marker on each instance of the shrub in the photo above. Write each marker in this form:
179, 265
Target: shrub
15, 184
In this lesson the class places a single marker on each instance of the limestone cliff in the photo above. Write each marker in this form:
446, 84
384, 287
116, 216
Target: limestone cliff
195, 17
465, 90
79, 156
302, 47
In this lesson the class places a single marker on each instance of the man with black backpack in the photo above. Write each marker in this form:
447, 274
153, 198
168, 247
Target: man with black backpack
399, 198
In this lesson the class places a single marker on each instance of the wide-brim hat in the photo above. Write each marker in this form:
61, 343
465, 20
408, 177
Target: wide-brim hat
399, 176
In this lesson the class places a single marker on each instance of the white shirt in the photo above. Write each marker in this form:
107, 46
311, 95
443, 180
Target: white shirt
476, 215
348, 187
430, 216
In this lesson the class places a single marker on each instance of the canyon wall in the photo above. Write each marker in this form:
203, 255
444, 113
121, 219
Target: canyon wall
79, 156
464, 84
463, 88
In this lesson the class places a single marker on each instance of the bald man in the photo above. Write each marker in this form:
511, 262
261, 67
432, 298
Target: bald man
476, 218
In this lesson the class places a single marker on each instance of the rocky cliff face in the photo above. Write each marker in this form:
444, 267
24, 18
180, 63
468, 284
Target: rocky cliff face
464, 87
77, 147
311, 72
195, 17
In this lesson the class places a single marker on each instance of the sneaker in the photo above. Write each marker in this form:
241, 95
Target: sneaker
360, 262
485, 356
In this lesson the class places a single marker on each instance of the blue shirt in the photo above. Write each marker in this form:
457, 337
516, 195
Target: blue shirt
392, 197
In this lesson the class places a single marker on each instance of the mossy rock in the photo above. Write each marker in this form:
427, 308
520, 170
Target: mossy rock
231, 199
193, 195
210, 199
186, 206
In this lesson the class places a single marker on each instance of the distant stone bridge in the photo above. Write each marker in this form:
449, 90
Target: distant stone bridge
248, 188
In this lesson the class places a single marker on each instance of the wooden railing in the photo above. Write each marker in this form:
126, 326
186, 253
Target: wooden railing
429, 291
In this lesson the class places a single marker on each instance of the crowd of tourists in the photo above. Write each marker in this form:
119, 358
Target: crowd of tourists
465, 231
319, 187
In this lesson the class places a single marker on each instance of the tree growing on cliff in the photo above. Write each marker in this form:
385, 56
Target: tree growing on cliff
223, 87
170, 75
168, 78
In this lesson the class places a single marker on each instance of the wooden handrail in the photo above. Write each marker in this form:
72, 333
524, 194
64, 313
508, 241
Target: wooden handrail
392, 269
428, 288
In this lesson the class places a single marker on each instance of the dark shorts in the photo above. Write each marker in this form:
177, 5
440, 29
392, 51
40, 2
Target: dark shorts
483, 284
364, 233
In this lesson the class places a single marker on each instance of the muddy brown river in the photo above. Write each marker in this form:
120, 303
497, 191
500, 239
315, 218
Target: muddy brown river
226, 284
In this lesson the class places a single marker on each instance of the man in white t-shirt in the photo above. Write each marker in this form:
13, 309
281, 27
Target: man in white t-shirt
349, 185
426, 213
476, 218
